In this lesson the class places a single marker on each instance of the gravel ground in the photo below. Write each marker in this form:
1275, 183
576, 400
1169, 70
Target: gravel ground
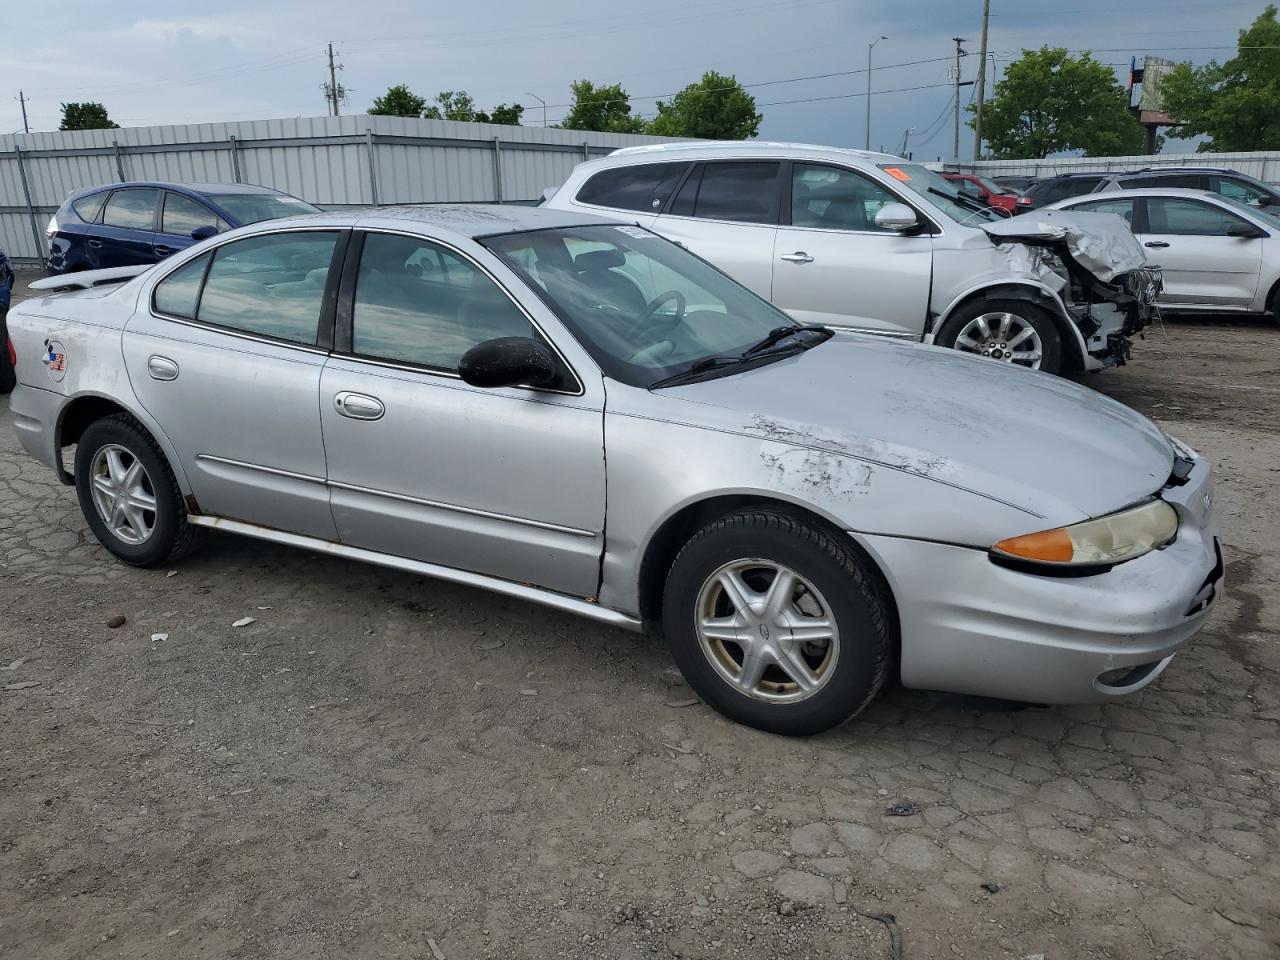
384, 766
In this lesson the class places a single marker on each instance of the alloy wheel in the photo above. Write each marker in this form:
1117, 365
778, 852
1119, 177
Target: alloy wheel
123, 494
1002, 336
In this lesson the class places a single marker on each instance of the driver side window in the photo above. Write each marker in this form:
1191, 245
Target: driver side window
417, 302
832, 198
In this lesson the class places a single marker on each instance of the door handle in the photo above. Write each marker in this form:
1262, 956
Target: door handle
798, 257
162, 368
162, 251
358, 406
95, 243
1156, 243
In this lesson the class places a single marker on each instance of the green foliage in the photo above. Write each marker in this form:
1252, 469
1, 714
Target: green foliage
86, 116
714, 108
398, 101
1049, 102
452, 105
1235, 104
508, 115
605, 109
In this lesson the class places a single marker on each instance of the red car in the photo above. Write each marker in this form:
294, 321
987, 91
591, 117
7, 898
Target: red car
990, 193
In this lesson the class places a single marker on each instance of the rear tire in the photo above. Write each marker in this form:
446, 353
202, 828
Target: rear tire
794, 659
129, 495
1016, 328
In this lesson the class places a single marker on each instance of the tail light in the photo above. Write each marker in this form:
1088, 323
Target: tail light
1024, 201
13, 354
51, 231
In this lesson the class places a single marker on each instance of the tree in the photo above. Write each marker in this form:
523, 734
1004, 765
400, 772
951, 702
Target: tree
1235, 104
452, 105
714, 108
605, 109
504, 114
1050, 102
86, 116
398, 101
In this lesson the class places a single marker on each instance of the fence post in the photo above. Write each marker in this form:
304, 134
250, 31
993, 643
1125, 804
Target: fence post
497, 169
373, 165
235, 158
31, 210
119, 161
586, 151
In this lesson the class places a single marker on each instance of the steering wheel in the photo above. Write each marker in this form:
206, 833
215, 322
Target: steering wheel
651, 308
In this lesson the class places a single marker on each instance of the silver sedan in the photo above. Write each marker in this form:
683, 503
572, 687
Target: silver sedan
580, 413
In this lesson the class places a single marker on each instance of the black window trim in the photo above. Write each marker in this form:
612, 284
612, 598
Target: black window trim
155, 212
701, 165
324, 326
680, 178
929, 228
164, 202
345, 316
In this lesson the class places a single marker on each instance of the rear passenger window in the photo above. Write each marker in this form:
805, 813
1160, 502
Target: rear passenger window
177, 294
417, 302
132, 209
87, 208
745, 192
642, 187
270, 285
183, 215
1121, 208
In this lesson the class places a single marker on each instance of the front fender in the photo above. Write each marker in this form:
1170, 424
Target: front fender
1021, 289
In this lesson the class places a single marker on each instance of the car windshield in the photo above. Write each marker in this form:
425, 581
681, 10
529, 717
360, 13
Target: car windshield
644, 308
942, 193
993, 187
247, 208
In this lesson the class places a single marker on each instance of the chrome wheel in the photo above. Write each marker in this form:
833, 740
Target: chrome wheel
1002, 336
123, 494
767, 630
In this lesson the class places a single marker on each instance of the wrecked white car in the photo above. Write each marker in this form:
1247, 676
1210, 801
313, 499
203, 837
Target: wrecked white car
872, 243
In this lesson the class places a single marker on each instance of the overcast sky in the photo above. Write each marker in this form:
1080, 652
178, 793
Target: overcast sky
174, 62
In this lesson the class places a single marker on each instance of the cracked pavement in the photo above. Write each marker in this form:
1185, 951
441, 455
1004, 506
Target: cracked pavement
382, 765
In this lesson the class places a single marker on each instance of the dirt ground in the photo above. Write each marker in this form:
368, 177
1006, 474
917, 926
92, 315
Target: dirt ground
384, 766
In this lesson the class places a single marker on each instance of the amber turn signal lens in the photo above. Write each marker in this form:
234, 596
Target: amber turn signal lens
1049, 546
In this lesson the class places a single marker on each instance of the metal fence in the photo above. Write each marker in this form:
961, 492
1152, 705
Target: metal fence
333, 162
1265, 165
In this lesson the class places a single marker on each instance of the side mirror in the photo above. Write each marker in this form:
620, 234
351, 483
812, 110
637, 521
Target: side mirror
508, 362
1244, 231
203, 233
1266, 200
897, 217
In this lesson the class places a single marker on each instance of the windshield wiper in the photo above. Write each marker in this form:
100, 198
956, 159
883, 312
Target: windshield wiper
753, 352
778, 334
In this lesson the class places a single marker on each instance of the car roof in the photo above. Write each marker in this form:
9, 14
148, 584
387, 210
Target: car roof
208, 189
1155, 171
716, 149
1185, 192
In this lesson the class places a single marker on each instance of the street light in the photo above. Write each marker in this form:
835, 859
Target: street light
544, 105
866, 143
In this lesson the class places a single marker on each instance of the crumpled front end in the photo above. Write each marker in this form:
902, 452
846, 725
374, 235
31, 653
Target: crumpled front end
1095, 265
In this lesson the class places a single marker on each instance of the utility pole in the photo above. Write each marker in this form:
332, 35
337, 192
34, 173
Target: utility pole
982, 82
333, 91
544, 106
23, 100
866, 143
955, 147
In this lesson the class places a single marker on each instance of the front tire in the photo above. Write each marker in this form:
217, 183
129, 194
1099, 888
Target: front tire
778, 623
1010, 331
129, 495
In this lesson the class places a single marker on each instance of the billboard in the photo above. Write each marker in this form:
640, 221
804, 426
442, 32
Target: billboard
1151, 104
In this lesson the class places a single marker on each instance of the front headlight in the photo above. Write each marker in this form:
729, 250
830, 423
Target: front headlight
1103, 542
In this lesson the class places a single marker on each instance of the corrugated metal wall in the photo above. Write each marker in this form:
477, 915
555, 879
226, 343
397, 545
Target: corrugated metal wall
1265, 165
329, 161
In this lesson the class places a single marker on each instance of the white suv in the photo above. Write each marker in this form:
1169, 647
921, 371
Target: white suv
881, 245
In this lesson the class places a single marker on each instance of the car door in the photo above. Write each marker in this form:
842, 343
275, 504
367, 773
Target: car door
507, 482
833, 265
225, 353
1203, 266
726, 211
126, 235
179, 216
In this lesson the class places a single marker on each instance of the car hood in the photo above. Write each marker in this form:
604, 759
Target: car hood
1102, 243
1037, 442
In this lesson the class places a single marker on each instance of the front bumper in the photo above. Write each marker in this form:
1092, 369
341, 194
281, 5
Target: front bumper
970, 626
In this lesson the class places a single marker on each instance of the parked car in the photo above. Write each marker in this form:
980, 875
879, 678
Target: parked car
801, 512
128, 223
1012, 182
1229, 183
878, 244
1215, 253
1050, 190
6, 293
988, 192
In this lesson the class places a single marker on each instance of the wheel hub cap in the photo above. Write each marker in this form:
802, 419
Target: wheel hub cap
1006, 337
767, 631
123, 494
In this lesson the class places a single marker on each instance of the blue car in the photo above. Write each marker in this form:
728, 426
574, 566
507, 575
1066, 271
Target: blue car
126, 223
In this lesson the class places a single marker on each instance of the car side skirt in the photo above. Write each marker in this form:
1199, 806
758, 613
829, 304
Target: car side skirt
522, 591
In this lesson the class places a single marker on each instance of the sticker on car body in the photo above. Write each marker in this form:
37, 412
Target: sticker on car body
55, 360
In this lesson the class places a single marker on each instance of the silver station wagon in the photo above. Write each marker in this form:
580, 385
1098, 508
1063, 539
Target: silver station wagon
583, 414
